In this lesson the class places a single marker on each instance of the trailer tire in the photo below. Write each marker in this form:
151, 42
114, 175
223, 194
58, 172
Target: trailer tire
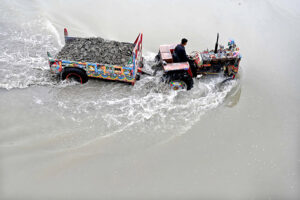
71, 73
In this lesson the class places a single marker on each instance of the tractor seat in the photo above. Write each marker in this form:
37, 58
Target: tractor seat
166, 52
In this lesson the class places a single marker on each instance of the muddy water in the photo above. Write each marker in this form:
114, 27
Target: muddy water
109, 140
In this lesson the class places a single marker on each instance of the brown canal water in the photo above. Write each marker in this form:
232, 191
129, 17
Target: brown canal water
105, 140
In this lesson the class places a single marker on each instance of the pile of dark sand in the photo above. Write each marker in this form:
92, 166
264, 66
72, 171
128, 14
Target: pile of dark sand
96, 50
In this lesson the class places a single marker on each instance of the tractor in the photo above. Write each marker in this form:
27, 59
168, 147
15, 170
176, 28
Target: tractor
179, 74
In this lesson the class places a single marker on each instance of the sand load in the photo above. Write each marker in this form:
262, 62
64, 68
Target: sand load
97, 50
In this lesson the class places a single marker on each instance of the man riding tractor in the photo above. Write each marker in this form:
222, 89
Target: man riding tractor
179, 69
179, 55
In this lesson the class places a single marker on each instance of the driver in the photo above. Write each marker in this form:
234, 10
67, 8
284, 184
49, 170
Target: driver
179, 55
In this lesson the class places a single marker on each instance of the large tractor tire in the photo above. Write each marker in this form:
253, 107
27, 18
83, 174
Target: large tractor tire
180, 80
75, 74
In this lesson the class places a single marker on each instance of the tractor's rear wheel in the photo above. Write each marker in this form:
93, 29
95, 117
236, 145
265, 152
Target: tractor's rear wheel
178, 85
180, 80
75, 74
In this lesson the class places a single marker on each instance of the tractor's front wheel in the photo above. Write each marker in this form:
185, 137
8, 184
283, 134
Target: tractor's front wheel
74, 74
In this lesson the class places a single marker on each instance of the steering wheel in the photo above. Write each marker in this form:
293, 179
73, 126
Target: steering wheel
194, 54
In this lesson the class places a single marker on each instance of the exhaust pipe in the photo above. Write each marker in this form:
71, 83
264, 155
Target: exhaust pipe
217, 44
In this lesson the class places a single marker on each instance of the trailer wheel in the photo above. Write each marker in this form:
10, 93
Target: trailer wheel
75, 74
180, 81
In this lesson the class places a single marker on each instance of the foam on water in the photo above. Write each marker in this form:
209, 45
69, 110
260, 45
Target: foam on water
100, 110
23, 46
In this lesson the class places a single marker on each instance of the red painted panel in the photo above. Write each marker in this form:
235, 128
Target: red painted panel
176, 66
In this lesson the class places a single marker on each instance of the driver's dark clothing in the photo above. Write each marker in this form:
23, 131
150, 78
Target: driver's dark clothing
179, 55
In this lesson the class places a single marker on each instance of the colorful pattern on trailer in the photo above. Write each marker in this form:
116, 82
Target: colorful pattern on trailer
109, 72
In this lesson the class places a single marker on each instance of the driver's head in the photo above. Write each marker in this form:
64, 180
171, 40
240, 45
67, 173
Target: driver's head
184, 42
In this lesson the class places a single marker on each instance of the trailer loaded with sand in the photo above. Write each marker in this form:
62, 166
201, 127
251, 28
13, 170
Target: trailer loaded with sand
84, 58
